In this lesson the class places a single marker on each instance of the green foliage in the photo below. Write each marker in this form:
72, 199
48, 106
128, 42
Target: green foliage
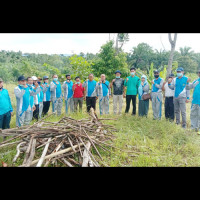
108, 62
80, 67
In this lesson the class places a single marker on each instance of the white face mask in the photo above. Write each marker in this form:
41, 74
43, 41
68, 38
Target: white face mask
132, 73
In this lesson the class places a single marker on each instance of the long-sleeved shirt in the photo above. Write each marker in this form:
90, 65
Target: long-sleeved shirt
157, 86
132, 85
23, 97
103, 89
46, 92
67, 88
179, 85
5, 103
56, 91
145, 90
196, 94
90, 88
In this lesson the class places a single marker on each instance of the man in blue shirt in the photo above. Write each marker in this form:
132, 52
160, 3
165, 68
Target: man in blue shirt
181, 95
90, 93
46, 95
56, 95
157, 96
6, 109
68, 94
195, 108
103, 93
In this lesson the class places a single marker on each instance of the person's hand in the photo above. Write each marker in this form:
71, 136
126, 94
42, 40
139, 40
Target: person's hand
100, 81
42, 85
84, 98
152, 82
142, 83
113, 80
56, 82
68, 81
25, 86
34, 108
169, 80
189, 79
11, 113
124, 95
164, 82
96, 97
110, 96
126, 79
187, 101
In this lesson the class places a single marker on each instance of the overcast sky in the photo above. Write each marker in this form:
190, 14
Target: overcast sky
68, 43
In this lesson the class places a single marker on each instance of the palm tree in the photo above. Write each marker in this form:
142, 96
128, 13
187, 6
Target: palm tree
185, 51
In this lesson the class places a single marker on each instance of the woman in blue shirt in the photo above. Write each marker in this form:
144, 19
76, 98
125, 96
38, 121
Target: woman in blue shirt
6, 109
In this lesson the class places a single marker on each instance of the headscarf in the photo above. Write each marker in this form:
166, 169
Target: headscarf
140, 90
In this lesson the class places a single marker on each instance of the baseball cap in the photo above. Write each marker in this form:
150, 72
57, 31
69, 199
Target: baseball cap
156, 71
118, 72
180, 69
34, 78
21, 78
45, 77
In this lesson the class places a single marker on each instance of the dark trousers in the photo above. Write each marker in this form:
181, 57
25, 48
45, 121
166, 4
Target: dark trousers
36, 112
143, 107
5, 121
169, 108
46, 105
90, 103
128, 101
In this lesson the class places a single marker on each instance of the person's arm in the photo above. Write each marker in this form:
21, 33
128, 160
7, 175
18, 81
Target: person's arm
192, 85
10, 105
45, 88
146, 88
35, 91
171, 85
125, 82
109, 90
159, 85
163, 87
19, 93
53, 87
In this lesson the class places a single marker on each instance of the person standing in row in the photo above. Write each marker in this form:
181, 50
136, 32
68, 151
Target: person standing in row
56, 95
41, 96
181, 95
30, 85
118, 91
132, 83
68, 94
103, 93
169, 100
23, 93
157, 96
6, 109
90, 92
195, 107
143, 106
78, 90
46, 95
36, 98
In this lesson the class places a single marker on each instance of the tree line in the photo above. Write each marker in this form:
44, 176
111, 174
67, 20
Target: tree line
106, 61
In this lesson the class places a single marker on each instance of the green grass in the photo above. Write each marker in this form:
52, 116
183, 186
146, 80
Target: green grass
139, 142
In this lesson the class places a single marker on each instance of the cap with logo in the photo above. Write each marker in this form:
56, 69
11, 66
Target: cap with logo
21, 78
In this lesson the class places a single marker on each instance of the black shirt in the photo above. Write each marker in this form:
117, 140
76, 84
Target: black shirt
118, 86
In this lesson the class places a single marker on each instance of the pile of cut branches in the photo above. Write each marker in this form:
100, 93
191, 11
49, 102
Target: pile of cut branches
67, 141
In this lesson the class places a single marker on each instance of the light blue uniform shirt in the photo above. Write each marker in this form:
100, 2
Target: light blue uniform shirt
5, 103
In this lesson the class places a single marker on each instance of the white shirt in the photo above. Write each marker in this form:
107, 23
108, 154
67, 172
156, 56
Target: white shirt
168, 92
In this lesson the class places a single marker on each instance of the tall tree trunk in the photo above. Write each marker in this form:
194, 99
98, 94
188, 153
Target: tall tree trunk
173, 45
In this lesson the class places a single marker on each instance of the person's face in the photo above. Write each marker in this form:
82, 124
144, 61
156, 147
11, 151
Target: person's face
91, 77
132, 70
55, 76
118, 74
103, 77
46, 80
143, 79
1, 84
36, 83
30, 81
68, 77
78, 80
22, 82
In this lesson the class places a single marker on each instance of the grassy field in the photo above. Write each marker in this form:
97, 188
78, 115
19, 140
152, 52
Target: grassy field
139, 142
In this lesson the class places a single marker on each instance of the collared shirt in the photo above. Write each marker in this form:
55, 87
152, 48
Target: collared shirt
5, 103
